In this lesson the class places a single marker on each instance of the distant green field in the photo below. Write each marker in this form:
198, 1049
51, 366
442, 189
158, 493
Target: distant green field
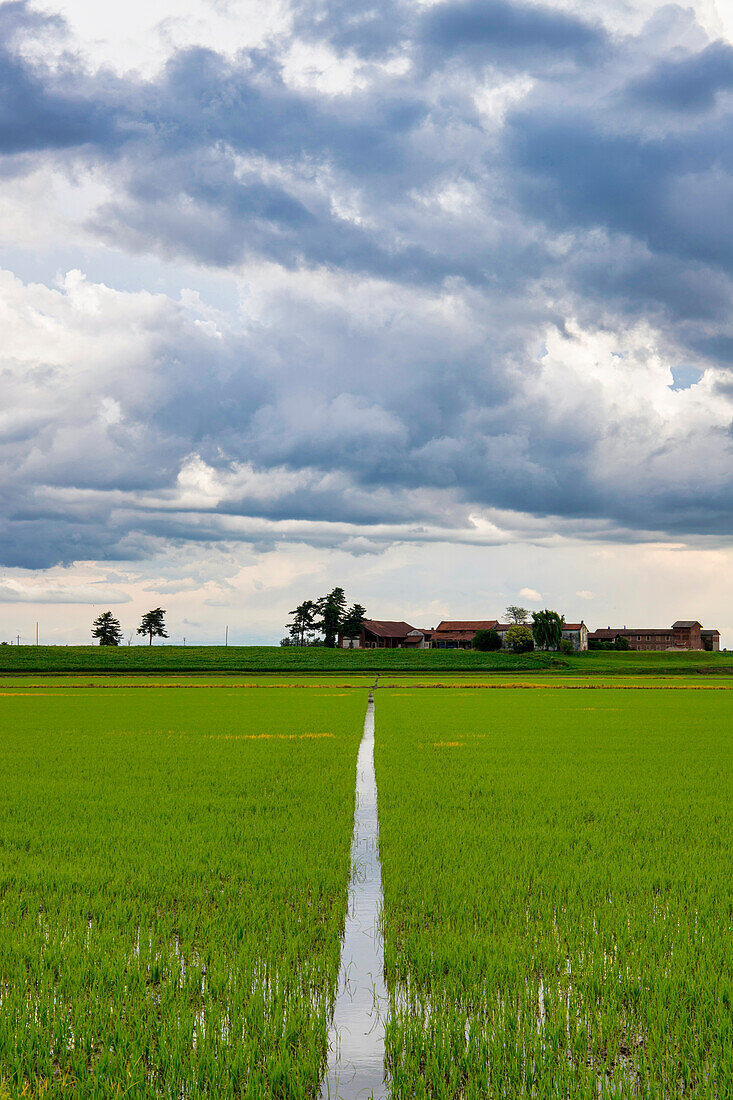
188, 660
174, 868
557, 892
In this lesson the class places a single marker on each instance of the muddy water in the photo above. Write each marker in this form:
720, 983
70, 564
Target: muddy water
356, 1041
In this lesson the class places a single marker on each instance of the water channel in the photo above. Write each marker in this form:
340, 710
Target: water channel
356, 1040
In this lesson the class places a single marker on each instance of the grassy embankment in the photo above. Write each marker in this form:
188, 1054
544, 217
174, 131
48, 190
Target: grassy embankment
558, 900
175, 867
284, 660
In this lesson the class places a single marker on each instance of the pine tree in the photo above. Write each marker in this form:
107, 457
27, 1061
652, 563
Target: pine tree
153, 625
303, 624
107, 629
332, 610
353, 621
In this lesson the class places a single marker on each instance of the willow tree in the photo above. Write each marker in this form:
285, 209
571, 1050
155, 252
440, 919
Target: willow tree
547, 629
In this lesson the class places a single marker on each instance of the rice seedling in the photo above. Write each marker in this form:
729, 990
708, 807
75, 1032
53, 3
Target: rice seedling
174, 868
558, 905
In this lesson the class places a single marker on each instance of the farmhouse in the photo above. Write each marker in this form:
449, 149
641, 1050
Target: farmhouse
387, 634
684, 634
577, 633
459, 633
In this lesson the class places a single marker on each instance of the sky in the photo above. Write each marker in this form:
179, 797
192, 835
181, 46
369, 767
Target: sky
428, 300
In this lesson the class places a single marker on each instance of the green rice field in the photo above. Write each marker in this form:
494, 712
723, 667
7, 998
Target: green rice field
174, 868
557, 892
556, 866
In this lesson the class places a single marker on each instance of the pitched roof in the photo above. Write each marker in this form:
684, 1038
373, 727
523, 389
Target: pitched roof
710, 632
612, 632
466, 624
572, 626
386, 629
685, 624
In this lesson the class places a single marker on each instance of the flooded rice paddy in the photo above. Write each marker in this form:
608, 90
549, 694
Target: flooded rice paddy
198, 900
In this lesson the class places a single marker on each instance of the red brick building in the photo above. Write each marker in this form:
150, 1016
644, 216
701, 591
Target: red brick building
684, 634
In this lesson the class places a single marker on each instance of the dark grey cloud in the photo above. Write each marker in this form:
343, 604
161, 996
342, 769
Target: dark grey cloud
499, 29
511, 32
674, 193
689, 84
522, 174
365, 28
40, 109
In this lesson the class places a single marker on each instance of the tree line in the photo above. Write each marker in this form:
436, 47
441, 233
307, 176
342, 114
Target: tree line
320, 621
109, 632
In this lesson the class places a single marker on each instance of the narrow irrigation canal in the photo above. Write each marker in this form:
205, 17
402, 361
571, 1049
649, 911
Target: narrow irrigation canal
356, 1041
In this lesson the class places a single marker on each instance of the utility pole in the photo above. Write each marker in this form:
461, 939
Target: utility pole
36, 633
226, 636
17, 639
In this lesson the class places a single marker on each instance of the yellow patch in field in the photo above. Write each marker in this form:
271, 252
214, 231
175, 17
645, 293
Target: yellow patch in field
448, 744
267, 736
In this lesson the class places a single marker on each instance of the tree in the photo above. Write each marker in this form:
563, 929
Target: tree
547, 629
303, 624
621, 642
519, 638
152, 624
486, 641
332, 611
516, 614
566, 646
107, 629
353, 621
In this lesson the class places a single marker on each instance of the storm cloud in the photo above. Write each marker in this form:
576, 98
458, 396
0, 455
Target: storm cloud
468, 282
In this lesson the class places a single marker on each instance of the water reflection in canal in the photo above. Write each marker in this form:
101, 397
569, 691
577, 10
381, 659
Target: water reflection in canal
356, 1058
